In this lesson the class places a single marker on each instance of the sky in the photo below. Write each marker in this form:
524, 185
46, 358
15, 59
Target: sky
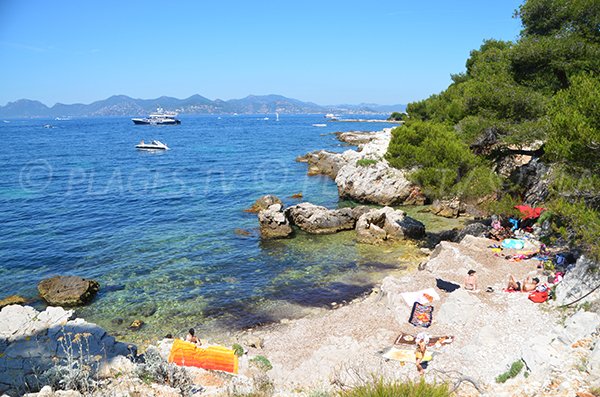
327, 52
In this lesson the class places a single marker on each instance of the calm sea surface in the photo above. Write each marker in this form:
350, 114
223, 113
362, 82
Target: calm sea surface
165, 234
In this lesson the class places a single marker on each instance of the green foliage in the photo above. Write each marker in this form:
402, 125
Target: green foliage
583, 222
559, 17
262, 363
397, 116
547, 63
514, 370
366, 162
478, 182
543, 87
238, 350
575, 121
504, 207
441, 162
381, 388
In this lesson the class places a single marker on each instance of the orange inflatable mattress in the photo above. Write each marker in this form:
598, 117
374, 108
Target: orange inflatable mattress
213, 357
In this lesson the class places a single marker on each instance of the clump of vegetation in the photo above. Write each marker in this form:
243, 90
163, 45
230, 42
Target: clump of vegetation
365, 162
262, 363
155, 369
397, 116
238, 350
79, 369
514, 370
382, 388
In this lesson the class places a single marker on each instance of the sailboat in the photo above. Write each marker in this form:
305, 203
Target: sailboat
276, 116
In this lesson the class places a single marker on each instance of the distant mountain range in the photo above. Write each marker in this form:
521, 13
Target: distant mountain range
121, 105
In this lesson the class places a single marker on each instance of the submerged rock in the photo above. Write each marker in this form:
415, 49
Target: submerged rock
377, 226
12, 300
68, 290
274, 223
320, 220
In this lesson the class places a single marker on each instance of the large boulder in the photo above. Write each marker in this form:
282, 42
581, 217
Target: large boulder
356, 137
323, 162
578, 283
263, 203
379, 225
68, 290
579, 326
320, 220
33, 342
376, 183
459, 308
274, 223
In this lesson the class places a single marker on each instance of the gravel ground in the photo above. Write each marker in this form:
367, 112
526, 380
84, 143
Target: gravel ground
342, 347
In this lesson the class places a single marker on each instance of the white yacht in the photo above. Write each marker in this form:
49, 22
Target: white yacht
154, 145
332, 116
160, 117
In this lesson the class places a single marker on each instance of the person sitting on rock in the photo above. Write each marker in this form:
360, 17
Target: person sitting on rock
528, 285
191, 337
471, 280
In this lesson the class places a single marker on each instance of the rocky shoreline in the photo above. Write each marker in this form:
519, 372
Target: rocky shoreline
343, 347
340, 348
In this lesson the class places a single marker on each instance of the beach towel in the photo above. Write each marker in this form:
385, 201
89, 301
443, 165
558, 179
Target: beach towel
437, 341
446, 285
421, 315
513, 243
404, 355
423, 296
213, 357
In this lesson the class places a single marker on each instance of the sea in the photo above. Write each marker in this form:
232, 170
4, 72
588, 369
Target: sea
165, 233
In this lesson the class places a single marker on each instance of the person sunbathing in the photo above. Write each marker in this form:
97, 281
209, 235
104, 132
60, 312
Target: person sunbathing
529, 284
421, 340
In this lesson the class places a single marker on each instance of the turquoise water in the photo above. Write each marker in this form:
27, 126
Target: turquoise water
160, 231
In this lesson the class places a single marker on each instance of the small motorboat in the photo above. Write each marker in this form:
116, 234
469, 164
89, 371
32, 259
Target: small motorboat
154, 145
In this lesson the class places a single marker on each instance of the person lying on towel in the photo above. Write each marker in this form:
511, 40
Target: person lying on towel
422, 340
529, 284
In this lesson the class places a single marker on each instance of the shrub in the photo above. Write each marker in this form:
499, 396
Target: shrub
157, 370
262, 363
365, 162
436, 154
238, 350
78, 371
381, 388
514, 370
397, 116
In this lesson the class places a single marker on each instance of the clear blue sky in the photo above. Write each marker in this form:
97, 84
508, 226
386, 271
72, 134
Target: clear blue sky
327, 52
